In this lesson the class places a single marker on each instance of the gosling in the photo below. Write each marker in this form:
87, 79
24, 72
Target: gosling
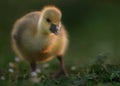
40, 36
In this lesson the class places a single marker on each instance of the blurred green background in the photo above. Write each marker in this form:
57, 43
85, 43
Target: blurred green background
93, 27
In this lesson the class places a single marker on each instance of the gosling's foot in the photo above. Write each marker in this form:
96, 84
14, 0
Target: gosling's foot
60, 73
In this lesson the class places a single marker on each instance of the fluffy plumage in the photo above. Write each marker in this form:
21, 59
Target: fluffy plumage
39, 36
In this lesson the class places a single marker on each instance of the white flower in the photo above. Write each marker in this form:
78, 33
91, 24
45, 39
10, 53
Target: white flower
46, 65
38, 70
34, 77
33, 74
11, 70
2, 78
11, 64
17, 59
73, 68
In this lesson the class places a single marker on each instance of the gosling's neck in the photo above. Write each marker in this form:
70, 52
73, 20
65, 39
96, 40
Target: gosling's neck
41, 30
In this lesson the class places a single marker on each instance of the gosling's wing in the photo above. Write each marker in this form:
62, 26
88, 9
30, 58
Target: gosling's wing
28, 21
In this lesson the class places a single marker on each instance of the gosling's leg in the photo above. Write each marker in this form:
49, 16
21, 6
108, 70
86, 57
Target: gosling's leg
62, 69
33, 66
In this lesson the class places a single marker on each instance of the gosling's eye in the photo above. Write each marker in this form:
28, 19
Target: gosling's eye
48, 20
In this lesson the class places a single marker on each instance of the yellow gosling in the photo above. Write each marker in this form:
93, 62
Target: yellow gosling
39, 36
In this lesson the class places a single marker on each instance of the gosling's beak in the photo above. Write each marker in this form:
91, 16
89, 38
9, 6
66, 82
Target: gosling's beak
54, 29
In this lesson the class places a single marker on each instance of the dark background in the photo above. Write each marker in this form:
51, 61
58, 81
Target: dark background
93, 27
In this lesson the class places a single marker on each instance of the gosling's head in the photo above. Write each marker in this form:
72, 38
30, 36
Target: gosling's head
50, 19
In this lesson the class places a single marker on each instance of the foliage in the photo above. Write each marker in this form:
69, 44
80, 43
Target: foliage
97, 74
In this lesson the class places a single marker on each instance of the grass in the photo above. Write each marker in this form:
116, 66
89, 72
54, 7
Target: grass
97, 74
